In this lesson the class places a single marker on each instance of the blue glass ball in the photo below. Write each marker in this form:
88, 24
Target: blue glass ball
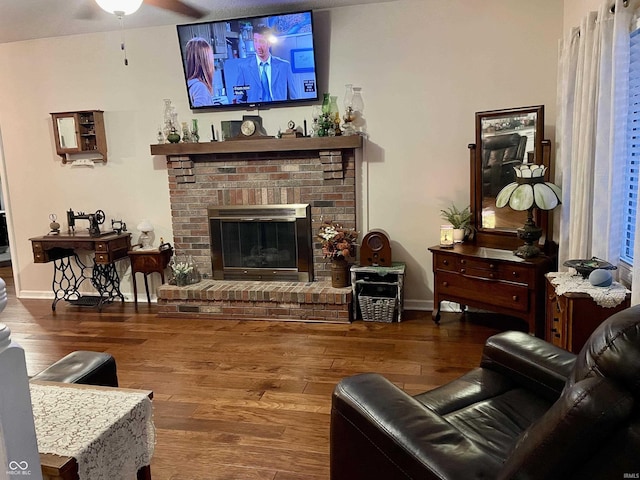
600, 278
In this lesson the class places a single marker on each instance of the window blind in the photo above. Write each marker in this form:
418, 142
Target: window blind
633, 151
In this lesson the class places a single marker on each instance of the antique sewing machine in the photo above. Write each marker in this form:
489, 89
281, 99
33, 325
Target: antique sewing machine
95, 220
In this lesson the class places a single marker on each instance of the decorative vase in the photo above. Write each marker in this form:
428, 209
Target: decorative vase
458, 235
182, 280
169, 117
195, 135
174, 136
339, 272
326, 104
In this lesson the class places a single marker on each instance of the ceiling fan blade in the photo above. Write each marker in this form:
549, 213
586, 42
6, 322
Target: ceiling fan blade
89, 10
177, 6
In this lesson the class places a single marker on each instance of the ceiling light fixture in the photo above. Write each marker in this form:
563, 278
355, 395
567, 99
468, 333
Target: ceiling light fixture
120, 7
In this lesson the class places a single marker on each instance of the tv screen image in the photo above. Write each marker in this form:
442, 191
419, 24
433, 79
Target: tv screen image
249, 62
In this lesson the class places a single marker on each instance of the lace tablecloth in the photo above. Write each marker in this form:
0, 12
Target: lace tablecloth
608, 297
108, 431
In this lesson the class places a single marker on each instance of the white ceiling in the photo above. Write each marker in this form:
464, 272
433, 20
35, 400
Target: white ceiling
29, 19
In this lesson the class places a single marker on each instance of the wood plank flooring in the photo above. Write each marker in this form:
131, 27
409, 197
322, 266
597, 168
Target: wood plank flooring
245, 400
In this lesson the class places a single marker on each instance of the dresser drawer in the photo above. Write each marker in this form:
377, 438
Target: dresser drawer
446, 262
482, 268
483, 290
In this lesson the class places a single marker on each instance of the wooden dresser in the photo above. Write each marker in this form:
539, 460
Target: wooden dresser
492, 279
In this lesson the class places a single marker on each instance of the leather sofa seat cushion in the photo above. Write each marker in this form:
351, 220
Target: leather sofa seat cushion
494, 425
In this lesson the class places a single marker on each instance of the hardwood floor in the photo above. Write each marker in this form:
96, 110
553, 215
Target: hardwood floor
244, 400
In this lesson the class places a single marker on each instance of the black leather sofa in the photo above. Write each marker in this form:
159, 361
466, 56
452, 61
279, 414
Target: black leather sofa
529, 411
83, 367
500, 154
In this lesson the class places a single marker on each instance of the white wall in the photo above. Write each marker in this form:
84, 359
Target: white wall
575, 10
425, 66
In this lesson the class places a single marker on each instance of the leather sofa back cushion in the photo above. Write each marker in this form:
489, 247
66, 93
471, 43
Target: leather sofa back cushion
499, 148
570, 431
613, 351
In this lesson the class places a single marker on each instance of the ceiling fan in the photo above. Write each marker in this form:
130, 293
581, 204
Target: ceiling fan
127, 7
120, 8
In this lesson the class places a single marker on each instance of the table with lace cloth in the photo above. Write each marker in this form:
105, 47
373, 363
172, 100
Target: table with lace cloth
108, 431
575, 308
608, 297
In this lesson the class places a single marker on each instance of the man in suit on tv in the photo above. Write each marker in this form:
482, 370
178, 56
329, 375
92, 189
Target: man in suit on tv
264, 78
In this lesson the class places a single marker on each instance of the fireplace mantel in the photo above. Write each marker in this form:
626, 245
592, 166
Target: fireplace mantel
257, 145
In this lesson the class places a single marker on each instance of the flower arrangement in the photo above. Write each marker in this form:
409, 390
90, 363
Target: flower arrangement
181, 273
336, 240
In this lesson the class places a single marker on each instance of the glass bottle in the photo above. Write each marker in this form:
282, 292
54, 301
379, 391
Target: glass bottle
348, 96
335, 116
326, 103
195, 135
357, 101
186, 136
168, 117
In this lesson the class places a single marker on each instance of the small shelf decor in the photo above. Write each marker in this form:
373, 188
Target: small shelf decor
338, 244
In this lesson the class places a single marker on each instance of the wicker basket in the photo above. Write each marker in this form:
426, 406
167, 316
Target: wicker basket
377, 309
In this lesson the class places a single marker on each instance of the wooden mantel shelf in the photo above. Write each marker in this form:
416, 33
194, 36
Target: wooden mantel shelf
258, 145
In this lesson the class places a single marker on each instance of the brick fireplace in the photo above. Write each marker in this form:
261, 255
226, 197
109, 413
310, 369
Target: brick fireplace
319, 172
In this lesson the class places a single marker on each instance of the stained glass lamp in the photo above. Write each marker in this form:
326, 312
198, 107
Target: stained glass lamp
529, 191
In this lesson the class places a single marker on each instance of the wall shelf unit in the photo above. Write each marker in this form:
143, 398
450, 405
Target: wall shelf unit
80, 136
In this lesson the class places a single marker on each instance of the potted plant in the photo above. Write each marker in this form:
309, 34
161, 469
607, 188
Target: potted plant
460, 219
338, 244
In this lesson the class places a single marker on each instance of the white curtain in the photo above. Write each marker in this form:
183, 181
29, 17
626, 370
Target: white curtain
591, 127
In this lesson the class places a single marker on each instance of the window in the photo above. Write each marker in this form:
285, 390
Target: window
633, 151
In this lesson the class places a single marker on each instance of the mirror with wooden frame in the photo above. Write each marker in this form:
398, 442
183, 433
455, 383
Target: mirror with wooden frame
504, 139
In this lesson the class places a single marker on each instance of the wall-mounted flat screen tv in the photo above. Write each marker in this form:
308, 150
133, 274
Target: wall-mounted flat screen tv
249, 62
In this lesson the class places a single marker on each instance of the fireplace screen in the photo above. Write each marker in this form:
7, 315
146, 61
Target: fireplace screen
269, 242
258, 244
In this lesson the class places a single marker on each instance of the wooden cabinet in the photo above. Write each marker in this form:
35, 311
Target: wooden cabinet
573, 316
80, 134
491, 279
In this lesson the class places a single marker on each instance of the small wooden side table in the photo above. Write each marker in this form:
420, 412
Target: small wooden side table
573, 316
146, 262
381, 283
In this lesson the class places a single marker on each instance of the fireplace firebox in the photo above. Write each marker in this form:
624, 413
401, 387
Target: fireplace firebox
261, 242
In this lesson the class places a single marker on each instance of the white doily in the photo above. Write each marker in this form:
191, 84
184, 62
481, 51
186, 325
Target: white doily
108, 431
607, 297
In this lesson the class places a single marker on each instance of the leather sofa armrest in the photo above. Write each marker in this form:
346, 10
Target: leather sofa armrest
379, 431
530, 361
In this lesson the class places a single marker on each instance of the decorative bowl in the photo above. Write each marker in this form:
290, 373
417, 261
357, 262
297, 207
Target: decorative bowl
585, 267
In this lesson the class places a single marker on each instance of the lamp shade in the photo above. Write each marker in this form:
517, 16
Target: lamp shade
145, 226
120, 7
529, 190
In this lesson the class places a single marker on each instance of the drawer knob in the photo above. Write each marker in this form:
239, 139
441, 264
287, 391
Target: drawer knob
492, 266
445, 284
463, 270
515, 274
445, 262
463, 261
492, 275
515, 298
